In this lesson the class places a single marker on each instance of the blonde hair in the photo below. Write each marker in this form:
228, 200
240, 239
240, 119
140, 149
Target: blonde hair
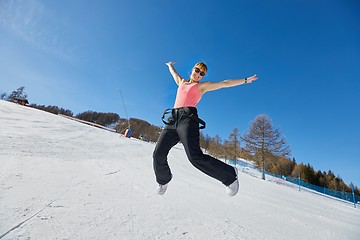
202, 66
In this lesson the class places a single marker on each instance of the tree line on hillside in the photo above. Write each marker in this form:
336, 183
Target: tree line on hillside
140, 129
53, 109
263, 143
104, 119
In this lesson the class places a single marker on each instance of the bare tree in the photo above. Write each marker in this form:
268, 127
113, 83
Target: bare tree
234, 144
3, 96
18, 93
215, 147
263, 140
205, 141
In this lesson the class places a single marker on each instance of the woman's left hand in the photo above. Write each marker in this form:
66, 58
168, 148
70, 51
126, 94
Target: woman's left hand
252, 78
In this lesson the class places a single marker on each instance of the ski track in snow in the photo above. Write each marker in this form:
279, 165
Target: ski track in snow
60, 179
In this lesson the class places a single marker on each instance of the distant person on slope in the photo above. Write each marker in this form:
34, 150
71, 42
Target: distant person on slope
183, 125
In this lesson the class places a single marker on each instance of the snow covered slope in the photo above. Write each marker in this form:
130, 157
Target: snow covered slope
60, 179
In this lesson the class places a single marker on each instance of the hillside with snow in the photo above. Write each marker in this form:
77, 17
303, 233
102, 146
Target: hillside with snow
61, 179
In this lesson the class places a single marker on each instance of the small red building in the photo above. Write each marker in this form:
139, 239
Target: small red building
21, 101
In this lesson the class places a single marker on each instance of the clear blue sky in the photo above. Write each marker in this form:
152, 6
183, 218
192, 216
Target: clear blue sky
78, 54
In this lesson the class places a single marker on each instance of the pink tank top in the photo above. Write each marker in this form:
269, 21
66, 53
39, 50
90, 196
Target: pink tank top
188, 95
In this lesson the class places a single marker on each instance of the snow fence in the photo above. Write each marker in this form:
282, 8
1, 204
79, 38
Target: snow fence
251, 169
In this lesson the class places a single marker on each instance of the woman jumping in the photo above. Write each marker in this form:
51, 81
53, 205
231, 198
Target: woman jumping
183, 125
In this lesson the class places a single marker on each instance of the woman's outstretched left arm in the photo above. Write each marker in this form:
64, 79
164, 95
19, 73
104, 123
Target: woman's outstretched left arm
211, 86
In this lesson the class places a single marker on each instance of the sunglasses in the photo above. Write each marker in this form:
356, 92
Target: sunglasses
199, 71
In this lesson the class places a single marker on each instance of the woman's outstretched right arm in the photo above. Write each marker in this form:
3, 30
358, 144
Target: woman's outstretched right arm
173, 72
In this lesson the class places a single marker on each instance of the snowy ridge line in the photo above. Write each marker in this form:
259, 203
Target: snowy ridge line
88, 123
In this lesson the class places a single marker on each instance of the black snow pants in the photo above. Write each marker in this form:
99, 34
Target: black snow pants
184, 128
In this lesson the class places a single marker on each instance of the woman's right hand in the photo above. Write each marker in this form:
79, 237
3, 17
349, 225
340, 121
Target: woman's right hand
170, 63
